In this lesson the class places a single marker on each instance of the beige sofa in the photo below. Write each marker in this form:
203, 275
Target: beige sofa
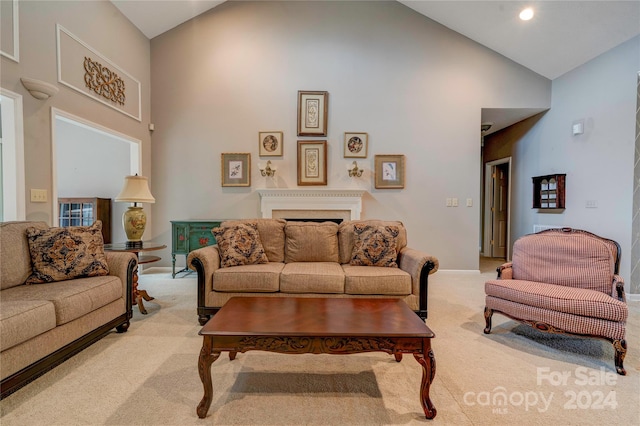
310, 259
41, 325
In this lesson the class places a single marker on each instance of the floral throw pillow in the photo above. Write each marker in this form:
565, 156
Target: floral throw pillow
59, 254
240, 245
375, 246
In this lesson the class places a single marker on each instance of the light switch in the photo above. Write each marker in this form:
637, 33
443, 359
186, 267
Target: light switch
449, 202
38, 195
454, 202
469, 202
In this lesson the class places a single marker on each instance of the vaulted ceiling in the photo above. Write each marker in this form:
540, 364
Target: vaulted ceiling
561, 36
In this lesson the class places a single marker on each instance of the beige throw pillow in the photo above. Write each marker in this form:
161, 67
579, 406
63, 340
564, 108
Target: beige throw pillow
239, 245
375, 246
59, 254
311, 242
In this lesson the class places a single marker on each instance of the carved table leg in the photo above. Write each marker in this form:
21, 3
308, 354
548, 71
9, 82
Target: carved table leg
398, 356
137, 297
204, 369
428, 364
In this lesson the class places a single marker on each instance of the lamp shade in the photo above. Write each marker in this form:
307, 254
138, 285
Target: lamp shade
135, 190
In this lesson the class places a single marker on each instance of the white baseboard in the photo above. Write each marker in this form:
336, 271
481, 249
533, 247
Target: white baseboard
633, 297
458, 271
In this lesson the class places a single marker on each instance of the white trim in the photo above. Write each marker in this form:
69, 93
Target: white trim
487, 206
459, 271
311, 199
58, 114
16, 34
14, 203
60, 28
633, 297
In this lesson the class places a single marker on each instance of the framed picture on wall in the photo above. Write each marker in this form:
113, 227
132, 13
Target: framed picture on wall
236, 169
356, 144
313, 107
389, 171
312, 163
270, 144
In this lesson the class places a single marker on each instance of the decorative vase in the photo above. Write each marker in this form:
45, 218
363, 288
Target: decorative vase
134, 220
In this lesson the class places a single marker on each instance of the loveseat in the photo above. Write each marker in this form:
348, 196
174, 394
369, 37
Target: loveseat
563, 281
275, 257
71, 296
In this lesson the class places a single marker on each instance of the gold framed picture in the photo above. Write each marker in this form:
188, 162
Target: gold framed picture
236, 169
312, 163
389, 171
313, 107
356, 144
270, 144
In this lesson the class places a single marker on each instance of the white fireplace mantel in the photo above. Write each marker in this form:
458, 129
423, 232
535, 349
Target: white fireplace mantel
311, 199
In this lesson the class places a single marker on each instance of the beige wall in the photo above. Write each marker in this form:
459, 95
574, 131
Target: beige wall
105, 29
416, 87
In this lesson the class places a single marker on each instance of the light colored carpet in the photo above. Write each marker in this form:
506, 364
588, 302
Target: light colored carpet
148, 376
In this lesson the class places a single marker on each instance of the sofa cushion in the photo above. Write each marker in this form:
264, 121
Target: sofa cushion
375, 246
346, 236
21, 320
271, 234
376, 280
59, 254
311, 242
574, 260
239, 245
72, 298
578, 301
259, 278
312, 277
15, 259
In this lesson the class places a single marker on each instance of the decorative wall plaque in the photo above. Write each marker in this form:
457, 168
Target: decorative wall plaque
103, 81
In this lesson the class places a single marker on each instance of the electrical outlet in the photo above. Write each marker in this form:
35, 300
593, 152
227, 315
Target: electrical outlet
38, 195
591, 204
454, 202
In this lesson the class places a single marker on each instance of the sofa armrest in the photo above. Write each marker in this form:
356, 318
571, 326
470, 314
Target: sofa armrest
205, 261
505, 271
419, 265
617, 290
123, 266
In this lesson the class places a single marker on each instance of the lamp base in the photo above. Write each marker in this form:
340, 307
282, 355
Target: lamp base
134, 221
133, 244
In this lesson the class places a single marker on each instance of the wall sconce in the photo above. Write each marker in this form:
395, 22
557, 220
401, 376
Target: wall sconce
353, 169
39, 89
267, 170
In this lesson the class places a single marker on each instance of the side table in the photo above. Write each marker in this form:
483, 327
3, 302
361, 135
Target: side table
138, 295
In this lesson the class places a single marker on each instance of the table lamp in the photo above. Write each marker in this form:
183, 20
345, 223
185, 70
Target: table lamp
134, 219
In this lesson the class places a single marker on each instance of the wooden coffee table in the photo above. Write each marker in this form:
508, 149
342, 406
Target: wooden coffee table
319, 326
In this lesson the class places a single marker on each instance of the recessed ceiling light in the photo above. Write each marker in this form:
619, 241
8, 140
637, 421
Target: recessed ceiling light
526, 14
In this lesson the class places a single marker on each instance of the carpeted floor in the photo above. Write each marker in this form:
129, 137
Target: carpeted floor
148, 376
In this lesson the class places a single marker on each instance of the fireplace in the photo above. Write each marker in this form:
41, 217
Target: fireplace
330, 204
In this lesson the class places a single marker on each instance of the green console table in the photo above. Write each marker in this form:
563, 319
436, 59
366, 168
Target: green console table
187, 235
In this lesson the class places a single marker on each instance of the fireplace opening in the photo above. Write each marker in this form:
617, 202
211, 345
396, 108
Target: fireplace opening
313, 219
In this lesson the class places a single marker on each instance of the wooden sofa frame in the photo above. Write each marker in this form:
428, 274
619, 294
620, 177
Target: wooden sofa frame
206, 312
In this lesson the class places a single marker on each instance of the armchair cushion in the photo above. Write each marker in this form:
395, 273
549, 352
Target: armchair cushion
583, 302
574, 260
59, 254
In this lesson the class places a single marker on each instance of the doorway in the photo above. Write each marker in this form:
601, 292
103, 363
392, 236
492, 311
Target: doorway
497, 210
91, 161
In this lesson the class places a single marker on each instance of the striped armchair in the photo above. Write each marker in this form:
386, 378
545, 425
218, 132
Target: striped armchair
563, 281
